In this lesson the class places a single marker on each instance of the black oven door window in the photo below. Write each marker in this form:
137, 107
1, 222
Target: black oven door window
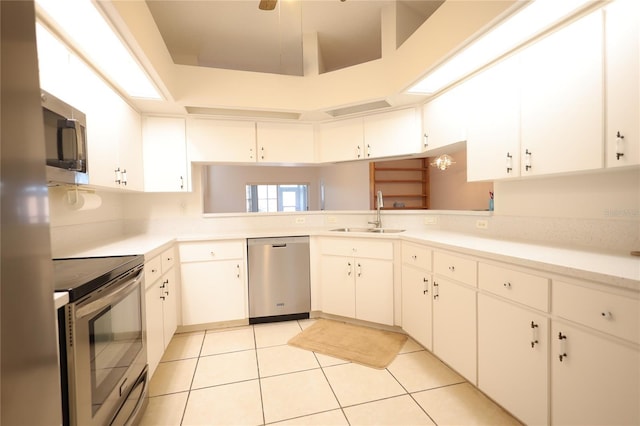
115, 336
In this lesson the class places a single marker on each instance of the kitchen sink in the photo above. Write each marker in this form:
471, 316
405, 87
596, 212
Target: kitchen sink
373, 230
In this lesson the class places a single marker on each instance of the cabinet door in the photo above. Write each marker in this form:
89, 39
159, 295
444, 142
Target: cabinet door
622, 49
562, 100
129, 138
513, 358
391, 133
454, 326
221, 140
444, 119
341, 140
374, 290
596, 382
416, 305
338, 285
213, 292
169, 306
165, 154
285, 143
154, 323
493, 143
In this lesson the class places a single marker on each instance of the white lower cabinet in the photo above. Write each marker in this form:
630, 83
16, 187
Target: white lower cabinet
214, 288
161, 305
594, 380
416, 293
454, 326
416, 305
357, 279
513, 358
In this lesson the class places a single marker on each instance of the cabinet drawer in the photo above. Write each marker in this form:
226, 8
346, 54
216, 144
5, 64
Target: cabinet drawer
211, 250
416, 255
152, 270
455, 267
518, 286
358, 247
607, 312
168, 258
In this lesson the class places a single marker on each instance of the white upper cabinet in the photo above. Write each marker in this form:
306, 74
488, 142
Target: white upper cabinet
622, 49
114, 129
391, 133
444, 119
493, 142
221, 140
285, 143
341, 140
249, 142
562, 100
165, 155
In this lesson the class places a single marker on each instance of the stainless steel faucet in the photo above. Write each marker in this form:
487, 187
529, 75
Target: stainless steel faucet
379, 205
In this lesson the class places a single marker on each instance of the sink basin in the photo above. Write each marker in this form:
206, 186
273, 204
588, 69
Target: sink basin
373, 230
352, 230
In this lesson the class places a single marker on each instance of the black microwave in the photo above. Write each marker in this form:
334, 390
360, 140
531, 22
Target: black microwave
65, 136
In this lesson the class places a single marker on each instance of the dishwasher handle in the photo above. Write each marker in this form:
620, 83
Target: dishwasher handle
281, 245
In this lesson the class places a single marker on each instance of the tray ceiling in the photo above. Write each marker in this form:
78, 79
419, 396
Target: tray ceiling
236, 35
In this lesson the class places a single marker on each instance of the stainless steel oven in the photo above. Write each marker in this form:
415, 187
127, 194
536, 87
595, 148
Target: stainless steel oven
103, 353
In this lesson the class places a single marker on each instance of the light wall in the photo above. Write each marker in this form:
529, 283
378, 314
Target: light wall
449, 189
610, 195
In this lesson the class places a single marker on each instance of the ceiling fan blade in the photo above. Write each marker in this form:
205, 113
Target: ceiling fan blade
267, 4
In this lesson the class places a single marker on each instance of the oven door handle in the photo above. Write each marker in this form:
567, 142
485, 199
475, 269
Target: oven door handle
108, 299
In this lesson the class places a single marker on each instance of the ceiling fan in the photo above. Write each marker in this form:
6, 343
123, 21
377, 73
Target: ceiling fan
267, 4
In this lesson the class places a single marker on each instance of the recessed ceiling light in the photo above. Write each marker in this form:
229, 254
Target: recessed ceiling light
81, 24
529, 21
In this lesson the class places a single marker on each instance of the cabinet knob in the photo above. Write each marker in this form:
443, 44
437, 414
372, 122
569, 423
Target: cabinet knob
213, 253
606, 315
414, 257
452, 268
507, 285
153, 271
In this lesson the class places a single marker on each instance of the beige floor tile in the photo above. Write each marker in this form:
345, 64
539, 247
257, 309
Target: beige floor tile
284, 359
355, 383
231, 340
165, 410
462, 405
275, 334
328, 361
328, 418
411, 346
172, 377
296, 394
400, 410
225, 368
183, 346
418, 371
233, 404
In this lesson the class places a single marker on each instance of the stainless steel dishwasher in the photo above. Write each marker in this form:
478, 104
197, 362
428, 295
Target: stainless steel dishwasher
279, 283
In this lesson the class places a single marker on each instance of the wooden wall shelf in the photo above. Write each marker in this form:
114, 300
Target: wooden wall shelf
404, 183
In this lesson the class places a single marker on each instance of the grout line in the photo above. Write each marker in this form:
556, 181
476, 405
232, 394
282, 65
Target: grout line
331, 387
255, 348
186, 404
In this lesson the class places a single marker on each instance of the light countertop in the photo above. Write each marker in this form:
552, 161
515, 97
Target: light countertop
618, 270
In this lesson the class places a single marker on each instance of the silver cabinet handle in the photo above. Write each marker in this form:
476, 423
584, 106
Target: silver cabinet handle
527, 160
349, 269
118, 174
619, 146
238, 270
426, 285
436, 290
181, 182
359, 269
368, 150
509, 163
